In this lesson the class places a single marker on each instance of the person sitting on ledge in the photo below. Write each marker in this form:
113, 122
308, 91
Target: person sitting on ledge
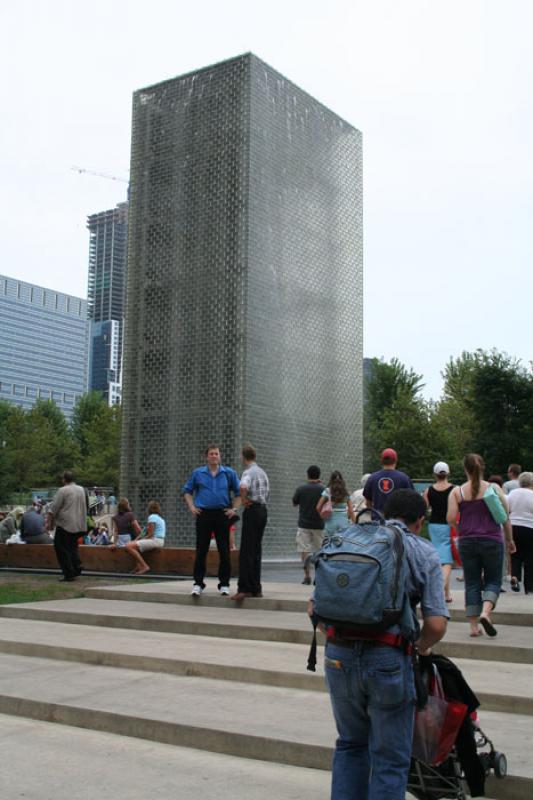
32, 526
153, 539
99, 535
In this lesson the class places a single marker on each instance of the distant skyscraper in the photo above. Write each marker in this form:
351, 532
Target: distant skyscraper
107, 270
104, 359
244, 292
43, 345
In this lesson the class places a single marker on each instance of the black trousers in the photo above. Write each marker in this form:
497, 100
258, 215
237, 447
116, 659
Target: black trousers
212, 521
523, 538
254, 520
68, 557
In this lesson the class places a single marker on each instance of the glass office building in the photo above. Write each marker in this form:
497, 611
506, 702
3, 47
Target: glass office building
104, 358
244, 290
105, 298
43, 345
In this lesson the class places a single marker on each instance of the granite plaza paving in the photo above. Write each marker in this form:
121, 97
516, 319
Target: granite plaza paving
156, 694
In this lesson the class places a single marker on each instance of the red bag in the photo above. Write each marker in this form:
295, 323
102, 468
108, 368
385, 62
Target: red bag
437, 725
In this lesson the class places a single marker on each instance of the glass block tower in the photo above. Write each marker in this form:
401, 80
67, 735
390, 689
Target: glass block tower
244, 291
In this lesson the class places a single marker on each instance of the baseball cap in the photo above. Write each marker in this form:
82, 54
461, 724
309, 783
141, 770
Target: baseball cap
441, 466
389, 453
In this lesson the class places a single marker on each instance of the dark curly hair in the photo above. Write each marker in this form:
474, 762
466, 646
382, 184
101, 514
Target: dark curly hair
337, 488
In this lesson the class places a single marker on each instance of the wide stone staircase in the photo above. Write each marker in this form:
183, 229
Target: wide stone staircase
179, 697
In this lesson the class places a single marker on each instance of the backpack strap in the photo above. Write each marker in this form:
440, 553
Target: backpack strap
311, 659
399, 549
373, 513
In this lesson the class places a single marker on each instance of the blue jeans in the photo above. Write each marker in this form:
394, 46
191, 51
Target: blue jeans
482, 564
372, 693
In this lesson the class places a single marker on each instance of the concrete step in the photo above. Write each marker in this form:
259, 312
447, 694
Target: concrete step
512, 609
104, 766
145, 768
265, 663
513, 643
500, 687
266, 723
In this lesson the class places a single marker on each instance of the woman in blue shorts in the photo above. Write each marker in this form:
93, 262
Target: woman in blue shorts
436, 498
339, 495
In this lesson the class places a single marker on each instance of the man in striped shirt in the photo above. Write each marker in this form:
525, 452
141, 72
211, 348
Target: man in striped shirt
255, 491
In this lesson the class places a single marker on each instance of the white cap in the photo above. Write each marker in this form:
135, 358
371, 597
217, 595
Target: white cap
441, 466
364, 479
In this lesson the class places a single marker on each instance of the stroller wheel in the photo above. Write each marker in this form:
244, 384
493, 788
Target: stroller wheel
500, 764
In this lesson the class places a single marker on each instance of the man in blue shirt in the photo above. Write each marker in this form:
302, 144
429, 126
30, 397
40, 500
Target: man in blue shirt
381, 484
207, 493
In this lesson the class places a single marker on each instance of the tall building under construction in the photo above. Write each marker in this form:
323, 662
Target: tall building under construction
244, 290
107, 274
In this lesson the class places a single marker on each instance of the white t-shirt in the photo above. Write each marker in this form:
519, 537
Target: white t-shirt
521, 507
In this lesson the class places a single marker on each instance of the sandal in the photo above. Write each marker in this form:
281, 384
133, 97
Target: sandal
449, 599
473, 634
487, 626
515, 585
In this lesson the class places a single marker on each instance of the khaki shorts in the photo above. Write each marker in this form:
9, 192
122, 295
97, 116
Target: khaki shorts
308, 540
149, 544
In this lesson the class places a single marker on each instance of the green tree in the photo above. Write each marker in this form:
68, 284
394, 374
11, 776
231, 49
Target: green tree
6, 479
395, 415
101, 465
487, 407
502, 401
453, 419
39, 446
388, 380
86, 411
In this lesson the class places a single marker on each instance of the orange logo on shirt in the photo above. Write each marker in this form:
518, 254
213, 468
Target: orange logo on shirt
386, 485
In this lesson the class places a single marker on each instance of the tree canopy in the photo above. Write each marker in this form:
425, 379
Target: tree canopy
486, 407
38, 444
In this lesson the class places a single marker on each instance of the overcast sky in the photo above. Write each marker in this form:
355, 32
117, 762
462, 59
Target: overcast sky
442, 92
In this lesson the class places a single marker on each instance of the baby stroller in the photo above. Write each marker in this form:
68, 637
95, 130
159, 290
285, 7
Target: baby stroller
450, 751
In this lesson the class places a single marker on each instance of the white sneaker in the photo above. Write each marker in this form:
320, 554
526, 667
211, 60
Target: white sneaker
196, 590
224, 590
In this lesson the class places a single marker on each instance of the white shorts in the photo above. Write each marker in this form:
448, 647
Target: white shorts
309, 540
150, 544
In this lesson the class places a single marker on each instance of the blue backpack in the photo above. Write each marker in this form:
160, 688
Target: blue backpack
360, 583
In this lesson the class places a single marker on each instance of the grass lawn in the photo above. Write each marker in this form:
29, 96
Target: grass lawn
17, 588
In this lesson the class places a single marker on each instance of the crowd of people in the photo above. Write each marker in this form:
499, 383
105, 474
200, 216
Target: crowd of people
460, 524
486, 526
370, 674
70, 520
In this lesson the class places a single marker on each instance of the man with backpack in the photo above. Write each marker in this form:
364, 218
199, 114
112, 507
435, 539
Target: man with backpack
368, 661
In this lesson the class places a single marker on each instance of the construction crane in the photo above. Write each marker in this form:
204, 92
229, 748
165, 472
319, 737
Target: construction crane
99, 174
